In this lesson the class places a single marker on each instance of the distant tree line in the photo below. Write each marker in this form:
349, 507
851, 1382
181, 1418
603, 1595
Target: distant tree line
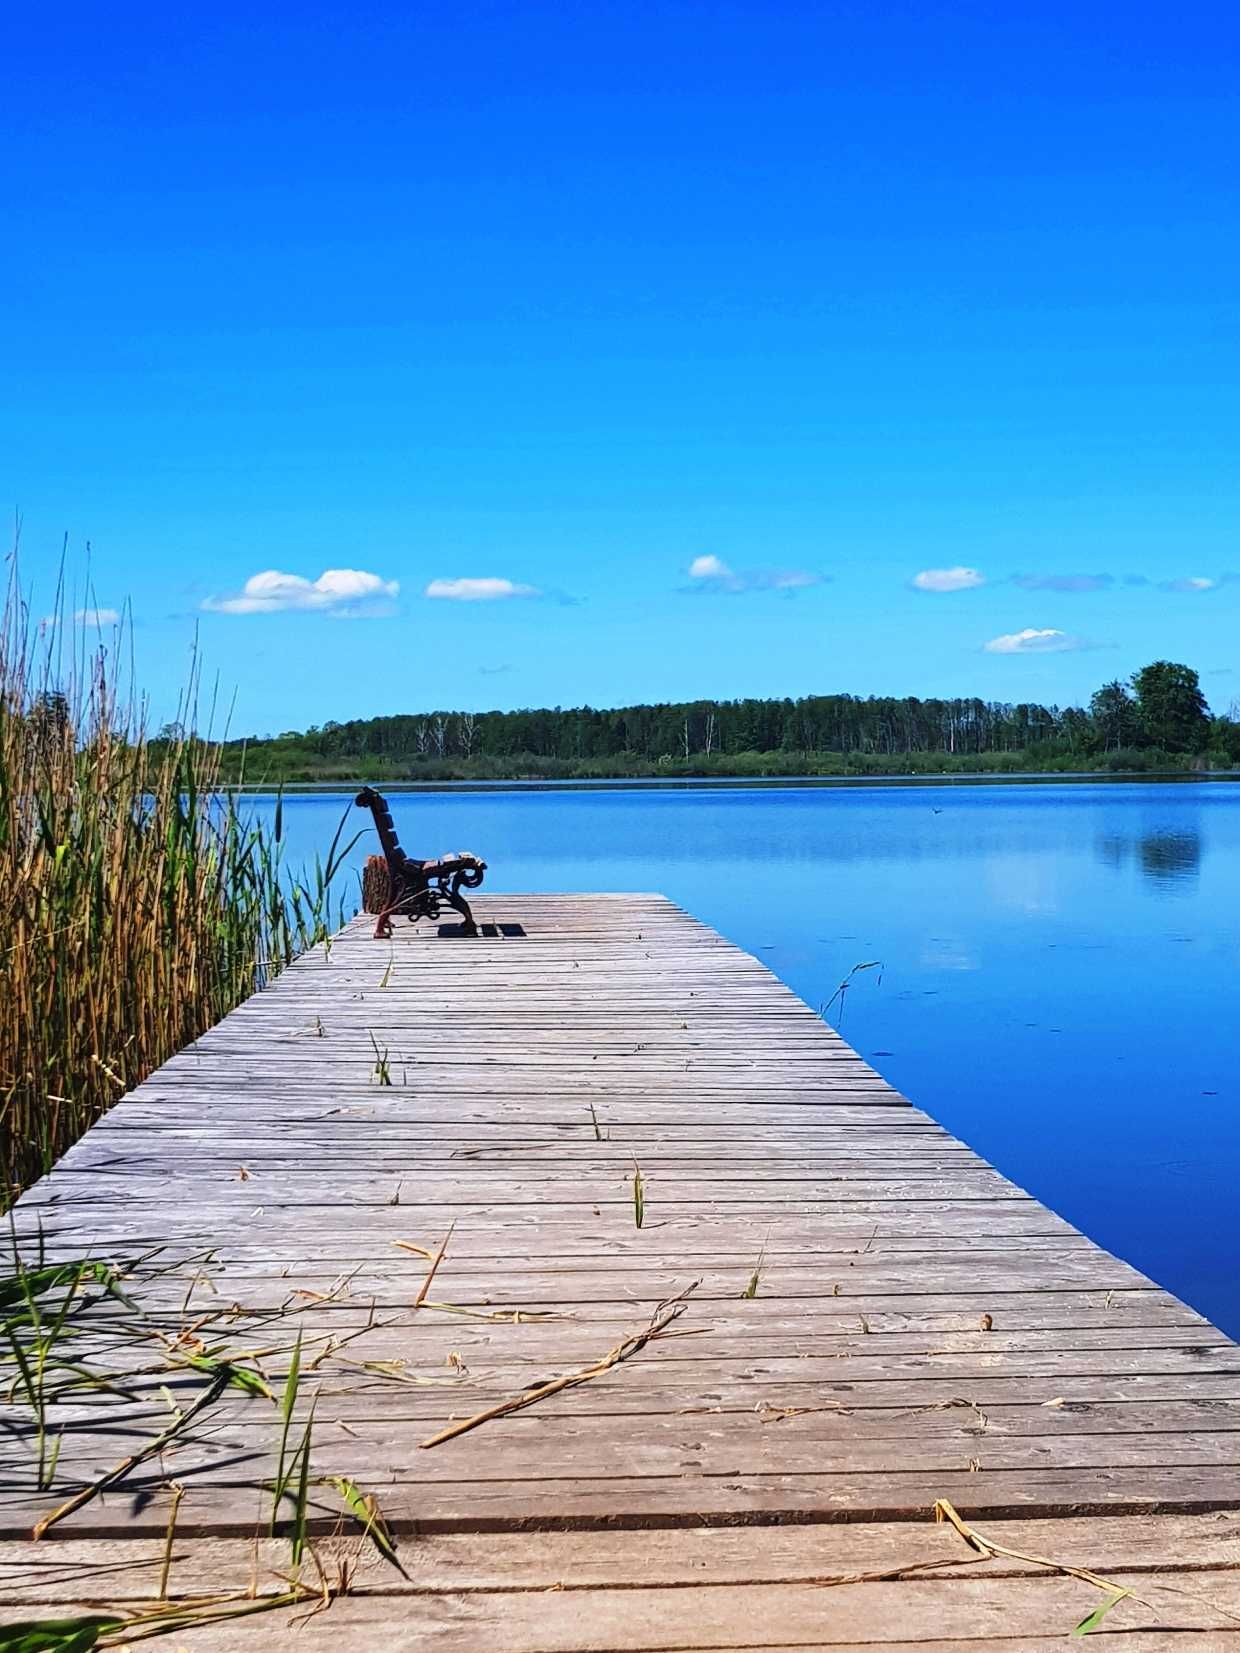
1158, 718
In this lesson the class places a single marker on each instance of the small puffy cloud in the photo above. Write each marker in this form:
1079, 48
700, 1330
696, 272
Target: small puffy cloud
711, 573
347, 592
478, 590
95, 618
1063, 582
948, 579
1030, 641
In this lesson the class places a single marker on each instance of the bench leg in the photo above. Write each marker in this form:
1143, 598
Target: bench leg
454, 898
416, 904
408, 902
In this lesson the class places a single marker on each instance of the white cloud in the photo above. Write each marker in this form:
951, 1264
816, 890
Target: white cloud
948, 579
342, 591
711, 573
1029, 641
1196, 582
96, 618
478, 590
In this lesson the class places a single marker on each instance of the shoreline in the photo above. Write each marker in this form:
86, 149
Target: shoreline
750, 783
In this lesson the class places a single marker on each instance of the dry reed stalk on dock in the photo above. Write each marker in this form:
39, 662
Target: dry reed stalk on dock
660, 1320
119, 1471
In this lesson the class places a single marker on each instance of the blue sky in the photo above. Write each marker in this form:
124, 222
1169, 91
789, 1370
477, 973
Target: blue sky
573, 300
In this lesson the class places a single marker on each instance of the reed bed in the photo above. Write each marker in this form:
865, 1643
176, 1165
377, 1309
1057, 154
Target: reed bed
140, 905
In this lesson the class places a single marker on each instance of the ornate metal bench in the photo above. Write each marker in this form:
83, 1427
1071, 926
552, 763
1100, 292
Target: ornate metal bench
396, 884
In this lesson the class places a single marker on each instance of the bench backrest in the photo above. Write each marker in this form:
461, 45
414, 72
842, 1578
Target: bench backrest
397, 860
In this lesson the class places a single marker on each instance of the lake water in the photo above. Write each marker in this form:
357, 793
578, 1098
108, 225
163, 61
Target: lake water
1060, 981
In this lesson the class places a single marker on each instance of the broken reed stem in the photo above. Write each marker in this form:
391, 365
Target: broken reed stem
208, 1397
660, 1320
945, 1511
193, 1615
508, 1317
755, 1279
889, 1575
178, 1492
430, 1273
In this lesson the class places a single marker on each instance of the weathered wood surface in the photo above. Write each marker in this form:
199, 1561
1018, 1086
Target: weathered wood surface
921, 1328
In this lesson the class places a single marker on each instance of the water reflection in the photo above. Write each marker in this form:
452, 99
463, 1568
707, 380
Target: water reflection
1163, 857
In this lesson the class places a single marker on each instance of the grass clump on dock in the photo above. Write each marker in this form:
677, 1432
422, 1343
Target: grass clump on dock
140, 905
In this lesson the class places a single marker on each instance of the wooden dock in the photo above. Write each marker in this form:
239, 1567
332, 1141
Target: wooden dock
854, 1318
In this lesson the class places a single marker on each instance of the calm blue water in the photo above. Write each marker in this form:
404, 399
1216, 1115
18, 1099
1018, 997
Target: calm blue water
1060, 978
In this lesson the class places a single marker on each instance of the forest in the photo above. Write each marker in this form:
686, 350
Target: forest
1157, 720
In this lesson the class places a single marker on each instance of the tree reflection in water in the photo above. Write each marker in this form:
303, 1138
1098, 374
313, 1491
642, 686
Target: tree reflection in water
1164, 857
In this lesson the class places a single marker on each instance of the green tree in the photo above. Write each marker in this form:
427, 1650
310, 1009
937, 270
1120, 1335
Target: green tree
1171, 707
1115, 718
1225, 735
1077, 729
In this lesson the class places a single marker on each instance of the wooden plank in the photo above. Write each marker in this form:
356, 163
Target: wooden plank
755, 1572
660, 1557
974, 1613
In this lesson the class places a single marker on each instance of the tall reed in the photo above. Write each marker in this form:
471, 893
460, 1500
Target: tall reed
137, 904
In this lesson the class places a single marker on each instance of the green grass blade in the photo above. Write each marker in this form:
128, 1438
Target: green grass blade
244, 1378
365, 1510
287, 1402
19, 1287
300, 1514
23, 1367
76, 1635
1091, 1621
